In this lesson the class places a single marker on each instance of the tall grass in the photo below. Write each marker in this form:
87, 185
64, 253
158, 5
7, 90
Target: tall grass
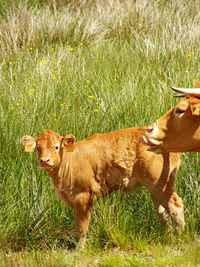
83, 67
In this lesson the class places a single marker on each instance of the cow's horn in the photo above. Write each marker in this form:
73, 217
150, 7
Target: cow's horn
187, 91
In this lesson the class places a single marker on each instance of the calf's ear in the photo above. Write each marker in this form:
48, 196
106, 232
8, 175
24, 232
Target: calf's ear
68, 142
29, 143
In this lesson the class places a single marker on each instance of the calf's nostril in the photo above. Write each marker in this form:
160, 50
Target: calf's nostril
44, 160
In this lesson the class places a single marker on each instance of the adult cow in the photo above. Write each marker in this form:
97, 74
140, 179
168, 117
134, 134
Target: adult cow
103, 163
179, 129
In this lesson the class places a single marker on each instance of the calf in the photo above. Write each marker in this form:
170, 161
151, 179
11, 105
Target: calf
82, 171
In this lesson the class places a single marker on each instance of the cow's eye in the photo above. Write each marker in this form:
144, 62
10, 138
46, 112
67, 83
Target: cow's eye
57, 147
38, 149
179, 111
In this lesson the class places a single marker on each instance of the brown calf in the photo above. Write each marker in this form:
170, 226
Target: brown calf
103, 163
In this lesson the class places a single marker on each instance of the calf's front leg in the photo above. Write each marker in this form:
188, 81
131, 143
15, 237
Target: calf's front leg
82, 208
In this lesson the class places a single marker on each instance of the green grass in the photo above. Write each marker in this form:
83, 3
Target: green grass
143, 255
83, 68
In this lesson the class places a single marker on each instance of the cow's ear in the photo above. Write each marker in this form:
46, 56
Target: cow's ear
194, 106
68, 142
196, 83
29, 143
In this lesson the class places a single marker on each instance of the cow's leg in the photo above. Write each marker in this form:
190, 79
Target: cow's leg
82, 208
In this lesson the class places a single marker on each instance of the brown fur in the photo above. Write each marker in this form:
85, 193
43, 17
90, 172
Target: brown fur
179, 129
104, 163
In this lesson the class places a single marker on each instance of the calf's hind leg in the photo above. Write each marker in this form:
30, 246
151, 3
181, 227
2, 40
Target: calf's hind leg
175, 208
170, 204
162, 214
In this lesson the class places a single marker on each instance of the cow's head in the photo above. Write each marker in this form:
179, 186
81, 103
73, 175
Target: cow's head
49, 146
179, 129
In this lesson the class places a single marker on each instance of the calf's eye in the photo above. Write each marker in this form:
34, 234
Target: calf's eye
57, 147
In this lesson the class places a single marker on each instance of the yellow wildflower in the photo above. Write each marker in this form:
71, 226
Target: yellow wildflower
96, 110
31, 48
91, 96
10, 63
54, 78
71, 49
189, 56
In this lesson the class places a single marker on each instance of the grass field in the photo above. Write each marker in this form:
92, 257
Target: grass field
83, 67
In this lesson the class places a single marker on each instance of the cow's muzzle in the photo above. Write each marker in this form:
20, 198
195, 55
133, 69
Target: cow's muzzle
152, 135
